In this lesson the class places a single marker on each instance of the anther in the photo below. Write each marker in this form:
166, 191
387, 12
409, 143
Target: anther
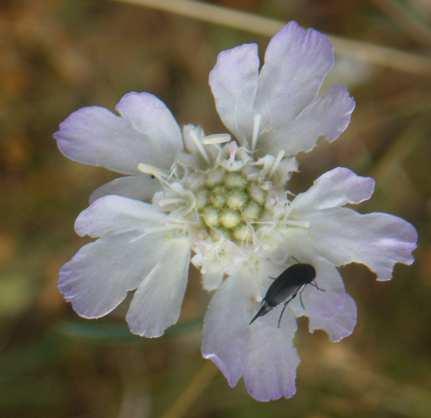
216, 139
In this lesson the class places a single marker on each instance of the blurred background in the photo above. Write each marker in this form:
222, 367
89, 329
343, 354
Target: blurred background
59, 55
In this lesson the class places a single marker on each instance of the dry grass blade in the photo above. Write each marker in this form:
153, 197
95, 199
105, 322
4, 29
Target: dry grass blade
198, 384
374, 54
413, 27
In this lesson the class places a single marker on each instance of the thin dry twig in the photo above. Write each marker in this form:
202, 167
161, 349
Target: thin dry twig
374, 54
199, 383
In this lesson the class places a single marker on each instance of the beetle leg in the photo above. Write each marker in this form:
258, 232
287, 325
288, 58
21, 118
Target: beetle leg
300, 297
284, 308
317, 287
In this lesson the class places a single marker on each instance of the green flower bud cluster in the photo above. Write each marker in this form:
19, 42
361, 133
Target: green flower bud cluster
229, 203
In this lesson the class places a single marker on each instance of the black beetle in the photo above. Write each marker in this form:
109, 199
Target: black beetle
285, 288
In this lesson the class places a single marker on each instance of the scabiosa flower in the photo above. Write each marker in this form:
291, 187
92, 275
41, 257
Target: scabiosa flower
221, 201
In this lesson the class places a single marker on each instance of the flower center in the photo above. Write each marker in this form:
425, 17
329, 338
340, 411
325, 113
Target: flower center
229, 204
230, 196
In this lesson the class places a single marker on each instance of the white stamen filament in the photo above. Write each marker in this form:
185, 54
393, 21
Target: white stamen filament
160, 175
199, 146
276, 163
216, 139
167, 202
151, 170
256, 128
155, 230
299, 224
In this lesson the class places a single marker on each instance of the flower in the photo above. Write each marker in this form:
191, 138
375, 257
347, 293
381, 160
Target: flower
222, 203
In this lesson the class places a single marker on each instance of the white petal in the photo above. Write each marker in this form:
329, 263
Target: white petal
332, 309
153, 120
140, 187
212, 280
336, 187
326, 116
377, 240
156, 305
95, 136
233, 82
333, 312
296, 63
272, 360
262, 353
225, 333
115, 214
147, 133
101, 273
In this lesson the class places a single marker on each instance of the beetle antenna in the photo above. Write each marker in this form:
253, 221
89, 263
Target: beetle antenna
314, 284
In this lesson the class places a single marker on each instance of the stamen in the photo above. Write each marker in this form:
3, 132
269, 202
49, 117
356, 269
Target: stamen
299, 224
199, 146
183, 222
272, 223
266, 163
167, 202
155, 230
256, 127
151, 170
233, 148
160, 175
276, 163
216, 139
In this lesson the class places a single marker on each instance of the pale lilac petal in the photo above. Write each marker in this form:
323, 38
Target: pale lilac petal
95, 136
156, 304
212, 280
326, 116
140, 187
296, 63
261, 353
233, 82
377, 240
271, 359
225, 331
98, 277
116, 214
161, 134
331, 310
336, 187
